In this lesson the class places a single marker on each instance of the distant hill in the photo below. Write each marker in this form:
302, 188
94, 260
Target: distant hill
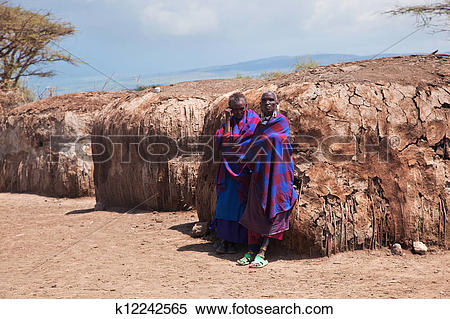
252, 68
282, 63
66, 83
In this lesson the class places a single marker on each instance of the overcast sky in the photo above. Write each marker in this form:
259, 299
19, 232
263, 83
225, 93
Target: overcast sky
150, 36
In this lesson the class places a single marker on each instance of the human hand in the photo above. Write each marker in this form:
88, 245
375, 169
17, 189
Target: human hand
227, 112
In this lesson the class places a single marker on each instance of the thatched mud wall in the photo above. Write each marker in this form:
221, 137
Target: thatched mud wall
11, 98
371, 153
124, 173
28, 163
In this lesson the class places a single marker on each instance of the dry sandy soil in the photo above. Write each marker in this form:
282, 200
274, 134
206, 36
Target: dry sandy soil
62, 248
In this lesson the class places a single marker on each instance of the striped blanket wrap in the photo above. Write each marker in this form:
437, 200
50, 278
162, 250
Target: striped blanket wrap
233, 146
270, 160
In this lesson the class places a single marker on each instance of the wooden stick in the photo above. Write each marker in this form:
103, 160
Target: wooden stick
330, 237
334, 226
352, 210
326, 228
422, 211
372, 240
342, 226
445, 222
439, 225
345, 227
382, 226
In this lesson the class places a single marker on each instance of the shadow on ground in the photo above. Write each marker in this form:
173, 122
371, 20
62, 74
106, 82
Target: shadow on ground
185, 228
275, 252
80, 211
119, 210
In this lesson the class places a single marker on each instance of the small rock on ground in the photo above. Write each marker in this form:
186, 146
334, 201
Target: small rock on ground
200, 229
99, 206
419, 248
396, 249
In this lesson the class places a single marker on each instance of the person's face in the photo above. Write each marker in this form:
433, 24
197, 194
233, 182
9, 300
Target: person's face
238, 109
268, 103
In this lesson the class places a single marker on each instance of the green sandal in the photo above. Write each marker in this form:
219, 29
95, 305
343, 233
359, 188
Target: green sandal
246, 260
258, 262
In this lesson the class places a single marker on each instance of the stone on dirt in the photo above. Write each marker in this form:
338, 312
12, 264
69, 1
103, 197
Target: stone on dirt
200, 229
99, 206
419, 248
396, 249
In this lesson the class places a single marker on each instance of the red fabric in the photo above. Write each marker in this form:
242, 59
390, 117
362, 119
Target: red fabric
255, 238
270, 158
233, 146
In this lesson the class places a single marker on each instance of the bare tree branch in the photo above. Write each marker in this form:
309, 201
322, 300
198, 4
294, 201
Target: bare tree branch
434, 16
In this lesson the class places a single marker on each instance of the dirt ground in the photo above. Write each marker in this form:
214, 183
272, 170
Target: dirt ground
62, 248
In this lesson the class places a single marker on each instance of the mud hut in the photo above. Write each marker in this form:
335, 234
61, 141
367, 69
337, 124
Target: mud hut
371, 153
31, 163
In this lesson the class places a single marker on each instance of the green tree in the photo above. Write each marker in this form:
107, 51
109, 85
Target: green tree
304, 63
435, 16
27, 41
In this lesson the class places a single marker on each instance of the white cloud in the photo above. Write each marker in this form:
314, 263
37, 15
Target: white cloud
353, 15
179, 18
231, 18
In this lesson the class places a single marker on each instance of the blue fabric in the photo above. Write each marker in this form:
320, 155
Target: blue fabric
233, 145
231, 231
233, 177
229, 206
